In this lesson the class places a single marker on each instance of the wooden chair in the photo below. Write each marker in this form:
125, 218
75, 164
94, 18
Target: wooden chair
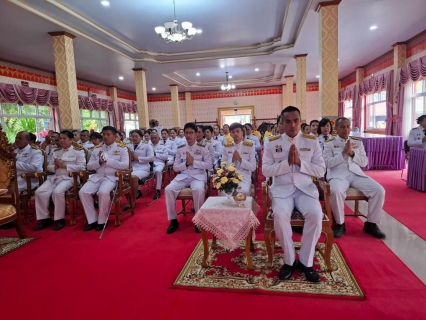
353, 194
297, 220
185, 195
9, 202
123, 190
26, 195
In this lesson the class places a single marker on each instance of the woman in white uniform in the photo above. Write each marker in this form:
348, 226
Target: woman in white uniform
324, 131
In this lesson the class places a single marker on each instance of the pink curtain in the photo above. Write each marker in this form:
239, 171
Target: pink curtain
125, 107
356, 110
348, 93
12, 93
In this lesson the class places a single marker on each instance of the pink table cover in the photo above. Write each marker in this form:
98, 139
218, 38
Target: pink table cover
228, 222
416, 176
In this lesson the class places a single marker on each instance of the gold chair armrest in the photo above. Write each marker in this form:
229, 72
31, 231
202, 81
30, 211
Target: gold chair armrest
33, 175
123, 172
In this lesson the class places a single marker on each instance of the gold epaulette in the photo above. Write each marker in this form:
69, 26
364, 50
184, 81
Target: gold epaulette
272, 138
144, 141
228, 145
201, 144
90, 148
35, 147
356, 138
121, 144
248, 143
331, 139
309, 136
57, 149
77, 146
99, 145
209, 141
181, 146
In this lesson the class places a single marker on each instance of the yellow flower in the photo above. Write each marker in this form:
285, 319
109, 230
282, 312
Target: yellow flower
231, 168
240, 177
219, 171
224, 180
223, 164
235, 181
218, 185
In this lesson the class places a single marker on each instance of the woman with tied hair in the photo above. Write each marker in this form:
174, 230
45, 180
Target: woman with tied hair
325, 129
180, 138
306, 128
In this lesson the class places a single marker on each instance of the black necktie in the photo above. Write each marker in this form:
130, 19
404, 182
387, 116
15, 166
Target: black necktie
135, 146
215, 138
325, 138
424, 131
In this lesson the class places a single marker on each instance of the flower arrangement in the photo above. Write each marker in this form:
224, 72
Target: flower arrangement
226, 179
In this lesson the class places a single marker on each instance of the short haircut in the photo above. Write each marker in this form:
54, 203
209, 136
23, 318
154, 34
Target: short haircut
420, 119
33, 137
236, 125
227, 125
190, 125
110, 128
95, 135
216, 125
68, 133
84, 131
165, 130
313, 121
137, 131
173, 129
341, 119
248, 125
289, 109
208, 128
200, 126
323, 123
304, 125
279, 119
149, 131
75, 131
154, 133
55, 132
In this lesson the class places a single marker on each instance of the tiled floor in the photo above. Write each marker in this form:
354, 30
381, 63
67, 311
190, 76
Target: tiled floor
409, 247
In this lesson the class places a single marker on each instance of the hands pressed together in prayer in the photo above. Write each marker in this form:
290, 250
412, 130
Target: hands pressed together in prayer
347, 150
236, 157
59, 163
189, 159
293, 156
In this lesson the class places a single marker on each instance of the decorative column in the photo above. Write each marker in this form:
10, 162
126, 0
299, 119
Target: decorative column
141, 97
188, 106
288, 93
113, 95
359, 72
301, 84
399, 60
66, 80
328, 39
175, 105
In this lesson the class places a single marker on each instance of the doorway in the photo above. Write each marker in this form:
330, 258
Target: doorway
235, 114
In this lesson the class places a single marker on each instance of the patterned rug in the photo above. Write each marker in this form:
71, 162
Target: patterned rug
9, 244
227, 272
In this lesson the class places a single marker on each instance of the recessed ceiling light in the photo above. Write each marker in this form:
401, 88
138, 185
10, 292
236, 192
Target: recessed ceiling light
197, 74
153, 89
257, 69
317, 76
105, 3
373, 27
121, 78
222, 66
230, 77
199, 31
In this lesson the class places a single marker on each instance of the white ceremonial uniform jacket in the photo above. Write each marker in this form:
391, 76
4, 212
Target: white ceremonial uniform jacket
49, 151
247, 154
171, 148
287, 178
87, 145
216, 148
197, 170
161, 154
118, 160
322, 139
416, 136
145, 153
220, 138
74, 159
178, 141
340, 167
256, 142
28, 160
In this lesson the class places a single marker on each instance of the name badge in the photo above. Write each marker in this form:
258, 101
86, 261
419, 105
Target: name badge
245, 152
305, 149
197, 152
278, 148
116, 152
229, 151
336, 146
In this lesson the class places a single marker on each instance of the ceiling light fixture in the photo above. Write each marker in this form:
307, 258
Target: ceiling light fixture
153, 89
318, 76
105, 3
197, 74
257, 69
222, 66
230, 77
199, 31
174, 32
227, 86
120, 78
373, 27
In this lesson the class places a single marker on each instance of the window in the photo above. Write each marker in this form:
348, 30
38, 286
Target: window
376, 111
93, 120
18, 117
348, 110
131, 122
418, 96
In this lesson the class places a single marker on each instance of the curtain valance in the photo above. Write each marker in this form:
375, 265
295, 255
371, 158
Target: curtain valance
375, 84
347, 93
97, 104
12, 93
128, 107
412, 71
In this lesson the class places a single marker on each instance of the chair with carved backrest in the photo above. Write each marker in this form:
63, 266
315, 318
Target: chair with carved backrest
124, 189
28, 194
297, 220
9, 201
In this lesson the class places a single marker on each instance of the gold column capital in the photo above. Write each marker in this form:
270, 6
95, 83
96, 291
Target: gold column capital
139, 69
62, 33
399, 44
300, 55
327, 4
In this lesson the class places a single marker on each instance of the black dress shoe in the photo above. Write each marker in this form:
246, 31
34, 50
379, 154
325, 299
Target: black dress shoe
90, 226
197, 230
297, 229
373, 229
310, 274
173, 226
100, 226
339, 230
139, 194
59, 225
43, 224
157, 195
286, 271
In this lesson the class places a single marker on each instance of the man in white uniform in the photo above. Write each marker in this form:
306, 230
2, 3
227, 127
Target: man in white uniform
216, 145
77, 136
65, 160
85, 139
106, 159
417, 136
250, 136
292, 159
314, 127
29, 159
170, 145
241, 153
192, 161
344, 158
161, 155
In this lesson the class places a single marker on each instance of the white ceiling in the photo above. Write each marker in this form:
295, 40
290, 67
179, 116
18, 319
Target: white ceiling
240, 35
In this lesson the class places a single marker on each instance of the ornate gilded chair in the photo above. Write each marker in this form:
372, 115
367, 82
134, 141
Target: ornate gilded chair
297, 220
9, 200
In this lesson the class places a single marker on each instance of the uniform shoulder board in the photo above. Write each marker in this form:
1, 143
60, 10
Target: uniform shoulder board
77, 146
99, 145
309, 136
90, 148
121, 144
414, 128
229, 145
356, 138
209, 141
57, 149
201, 144
272, 138
181, 146
248, 143
331, 139
144, 141
35, 147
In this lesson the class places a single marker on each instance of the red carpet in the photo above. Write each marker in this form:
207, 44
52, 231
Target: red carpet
403, 203
71, 274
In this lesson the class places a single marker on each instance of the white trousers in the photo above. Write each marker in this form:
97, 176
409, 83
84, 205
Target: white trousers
311, 210
140, 173
368, 186
173, 189
158, 173
103, 188
57, 190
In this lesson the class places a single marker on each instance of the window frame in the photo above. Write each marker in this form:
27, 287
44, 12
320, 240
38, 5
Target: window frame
414, 97
370, 102
93, 117
127, 118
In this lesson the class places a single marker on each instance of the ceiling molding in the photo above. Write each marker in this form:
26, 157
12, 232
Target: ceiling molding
61, 33
327, 3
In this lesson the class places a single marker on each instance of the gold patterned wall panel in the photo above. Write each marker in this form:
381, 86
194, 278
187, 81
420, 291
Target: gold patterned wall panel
399, 60
359, 72
188, 108
113, 95
301, 84
141, 97
288, 93
329, 89
69, 113
175, 106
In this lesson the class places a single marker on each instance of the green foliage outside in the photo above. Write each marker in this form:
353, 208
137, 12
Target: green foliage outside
15, 125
